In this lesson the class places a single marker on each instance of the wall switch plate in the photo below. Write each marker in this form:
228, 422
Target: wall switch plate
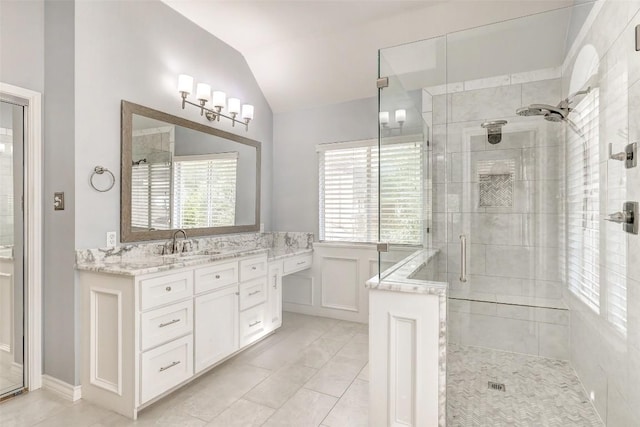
111, 239
58, 201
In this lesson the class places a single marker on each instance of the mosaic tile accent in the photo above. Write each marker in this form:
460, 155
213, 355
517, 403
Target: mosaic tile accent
539, 391
496, 191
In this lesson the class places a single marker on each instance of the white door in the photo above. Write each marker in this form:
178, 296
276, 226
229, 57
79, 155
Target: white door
274, 314
216, 326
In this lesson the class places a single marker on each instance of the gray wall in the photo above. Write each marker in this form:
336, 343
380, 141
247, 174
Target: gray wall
295, 163
61, 346
22, 44
135, 51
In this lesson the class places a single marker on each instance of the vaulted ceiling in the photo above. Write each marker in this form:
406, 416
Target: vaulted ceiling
310, 53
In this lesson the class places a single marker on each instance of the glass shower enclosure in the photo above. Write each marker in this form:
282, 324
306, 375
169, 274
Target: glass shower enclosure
485, 119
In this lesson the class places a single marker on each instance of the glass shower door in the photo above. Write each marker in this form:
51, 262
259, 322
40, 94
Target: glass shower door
11, 249
405, 151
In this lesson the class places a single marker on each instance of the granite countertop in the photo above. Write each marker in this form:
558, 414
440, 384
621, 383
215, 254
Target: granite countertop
132, 266
398, 278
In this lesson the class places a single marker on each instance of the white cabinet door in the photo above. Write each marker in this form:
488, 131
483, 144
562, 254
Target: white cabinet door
216, 326
274, 304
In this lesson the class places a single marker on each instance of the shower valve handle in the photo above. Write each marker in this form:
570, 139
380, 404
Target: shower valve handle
624, 217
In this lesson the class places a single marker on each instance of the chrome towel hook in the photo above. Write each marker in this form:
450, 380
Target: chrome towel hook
99, 170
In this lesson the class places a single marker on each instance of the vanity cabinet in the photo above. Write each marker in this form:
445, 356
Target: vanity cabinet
145, 335
216, 331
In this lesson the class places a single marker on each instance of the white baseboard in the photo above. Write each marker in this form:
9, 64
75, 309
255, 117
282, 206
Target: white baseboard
62, 389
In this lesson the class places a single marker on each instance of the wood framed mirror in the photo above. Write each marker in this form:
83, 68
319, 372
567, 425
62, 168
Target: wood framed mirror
178, 174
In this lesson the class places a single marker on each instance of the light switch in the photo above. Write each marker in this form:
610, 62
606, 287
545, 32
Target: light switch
58, 201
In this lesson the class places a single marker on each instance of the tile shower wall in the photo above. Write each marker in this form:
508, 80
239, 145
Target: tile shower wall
508, 200
605, 340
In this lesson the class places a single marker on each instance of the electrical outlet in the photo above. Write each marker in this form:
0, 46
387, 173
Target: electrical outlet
111, 239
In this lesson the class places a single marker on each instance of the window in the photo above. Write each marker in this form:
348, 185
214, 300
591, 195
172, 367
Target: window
349, 194
205, 190
583, 203
151, 196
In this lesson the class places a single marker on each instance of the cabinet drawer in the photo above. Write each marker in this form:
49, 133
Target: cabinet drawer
252, 268
215, 277
298, 263
165, 367
165, 289
165, 324
253, 293
252, 324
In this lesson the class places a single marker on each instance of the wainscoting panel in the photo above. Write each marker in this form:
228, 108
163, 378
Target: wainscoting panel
338, 277
339, 272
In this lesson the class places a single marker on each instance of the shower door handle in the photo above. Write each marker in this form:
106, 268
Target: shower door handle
463, 258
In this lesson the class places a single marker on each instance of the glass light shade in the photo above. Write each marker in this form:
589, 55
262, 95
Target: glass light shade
234, 106
219, 98
401, 115
185, 83
203, 92
384, 117
247, 111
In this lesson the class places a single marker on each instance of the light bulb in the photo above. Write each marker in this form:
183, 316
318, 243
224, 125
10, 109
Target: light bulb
247, 111
219, 99
234, 106
203, 92
185, 83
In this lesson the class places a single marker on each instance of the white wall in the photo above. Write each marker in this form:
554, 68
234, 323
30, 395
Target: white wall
607, 359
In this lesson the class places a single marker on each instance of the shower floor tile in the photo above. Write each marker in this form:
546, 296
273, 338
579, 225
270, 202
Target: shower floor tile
538, 391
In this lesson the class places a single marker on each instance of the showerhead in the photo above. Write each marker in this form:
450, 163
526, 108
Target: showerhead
550, 113
554, 117
530, 111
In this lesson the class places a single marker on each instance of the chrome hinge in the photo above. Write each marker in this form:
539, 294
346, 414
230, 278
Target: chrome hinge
382, 247
382, 82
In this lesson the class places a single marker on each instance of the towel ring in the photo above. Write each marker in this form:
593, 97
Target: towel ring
100, 170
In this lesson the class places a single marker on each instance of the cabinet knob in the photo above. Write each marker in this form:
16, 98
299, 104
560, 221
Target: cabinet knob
217, 276
168, 289
254, 267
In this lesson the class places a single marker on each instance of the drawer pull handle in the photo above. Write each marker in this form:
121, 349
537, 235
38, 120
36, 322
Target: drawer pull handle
253, 293
275, 283
301, 262
162, 325
257, 322
254, 267
217, 276
164, 368
168, 289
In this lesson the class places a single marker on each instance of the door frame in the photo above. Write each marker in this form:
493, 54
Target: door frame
33, 231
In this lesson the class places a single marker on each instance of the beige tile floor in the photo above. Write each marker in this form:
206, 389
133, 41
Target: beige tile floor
311, 372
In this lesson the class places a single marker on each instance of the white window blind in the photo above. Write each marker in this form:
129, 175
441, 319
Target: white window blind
151, 196
583, 198
205, 190
349, 192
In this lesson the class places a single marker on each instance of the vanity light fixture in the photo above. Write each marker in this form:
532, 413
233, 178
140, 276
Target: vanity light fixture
400, 118
218, 101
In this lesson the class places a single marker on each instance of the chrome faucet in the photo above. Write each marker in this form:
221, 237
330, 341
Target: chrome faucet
174, 246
